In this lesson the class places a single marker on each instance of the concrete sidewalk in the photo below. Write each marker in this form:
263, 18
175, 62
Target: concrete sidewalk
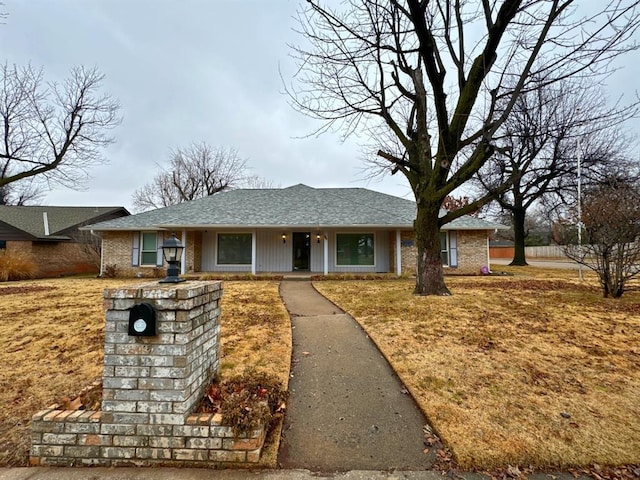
131, 473
347, 410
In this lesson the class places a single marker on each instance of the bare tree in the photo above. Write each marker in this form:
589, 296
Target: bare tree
382, 67
538, 148
611, 219
20, 193
193, 172
52, 133
256, 181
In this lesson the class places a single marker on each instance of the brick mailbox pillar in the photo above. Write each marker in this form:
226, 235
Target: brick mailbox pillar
157, 380
151, 385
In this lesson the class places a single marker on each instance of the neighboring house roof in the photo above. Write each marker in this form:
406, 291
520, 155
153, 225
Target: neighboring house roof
30, 220
298, 206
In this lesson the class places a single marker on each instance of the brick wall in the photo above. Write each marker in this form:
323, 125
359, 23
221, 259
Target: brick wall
408, 252
18, 246
117, 250
55, 259
150, 387
472, 250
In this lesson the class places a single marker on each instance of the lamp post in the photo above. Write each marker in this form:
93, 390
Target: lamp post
172, 251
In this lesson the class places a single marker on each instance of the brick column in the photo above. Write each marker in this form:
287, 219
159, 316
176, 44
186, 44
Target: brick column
158, 380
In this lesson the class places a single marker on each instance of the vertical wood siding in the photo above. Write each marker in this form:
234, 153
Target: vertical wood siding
272, 255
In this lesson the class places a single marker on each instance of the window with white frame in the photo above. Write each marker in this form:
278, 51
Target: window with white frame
355, 249
234, 249
148, 248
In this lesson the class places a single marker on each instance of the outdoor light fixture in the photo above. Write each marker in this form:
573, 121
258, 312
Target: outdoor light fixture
318, 238
284, 238
172, 251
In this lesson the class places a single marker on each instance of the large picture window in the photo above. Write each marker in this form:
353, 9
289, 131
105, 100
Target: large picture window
234, 249
355, 249
149, 250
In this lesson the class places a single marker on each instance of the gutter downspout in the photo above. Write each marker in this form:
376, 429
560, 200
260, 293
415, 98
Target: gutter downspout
183, 257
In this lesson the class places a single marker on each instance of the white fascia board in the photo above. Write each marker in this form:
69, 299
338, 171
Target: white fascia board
289, 227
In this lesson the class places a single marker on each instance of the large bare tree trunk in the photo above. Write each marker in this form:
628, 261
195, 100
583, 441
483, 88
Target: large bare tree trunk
430, 275
519, 235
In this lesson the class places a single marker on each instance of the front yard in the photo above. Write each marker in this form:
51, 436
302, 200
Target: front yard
52, 337
513, 370
531, 369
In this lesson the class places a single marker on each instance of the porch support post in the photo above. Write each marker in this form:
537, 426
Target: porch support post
183, 257
325, 255
253, 252
398, 254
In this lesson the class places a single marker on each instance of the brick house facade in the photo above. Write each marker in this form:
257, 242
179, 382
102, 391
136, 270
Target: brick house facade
52, 238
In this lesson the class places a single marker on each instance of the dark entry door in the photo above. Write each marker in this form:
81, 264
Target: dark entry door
301, 250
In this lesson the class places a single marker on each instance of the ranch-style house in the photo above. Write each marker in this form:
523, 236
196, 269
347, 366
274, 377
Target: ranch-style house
294, 229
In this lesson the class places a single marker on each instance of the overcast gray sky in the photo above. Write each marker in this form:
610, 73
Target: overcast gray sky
189, 70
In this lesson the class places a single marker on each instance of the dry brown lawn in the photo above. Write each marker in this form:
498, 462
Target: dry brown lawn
51, 346
535, 369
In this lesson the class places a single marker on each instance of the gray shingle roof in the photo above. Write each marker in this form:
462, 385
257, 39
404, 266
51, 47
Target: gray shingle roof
30, 219
296, 206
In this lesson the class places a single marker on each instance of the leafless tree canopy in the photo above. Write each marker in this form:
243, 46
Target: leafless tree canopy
20, 193
256, 181
193, 172
611, 219
433, 81
52, 133
537, 149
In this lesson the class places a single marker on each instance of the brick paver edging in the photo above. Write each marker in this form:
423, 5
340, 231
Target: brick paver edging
84, 438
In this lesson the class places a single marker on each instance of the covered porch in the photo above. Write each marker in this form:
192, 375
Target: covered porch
286, 250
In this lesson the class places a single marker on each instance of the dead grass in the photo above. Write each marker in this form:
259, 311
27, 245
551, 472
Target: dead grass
52, 335
531, 369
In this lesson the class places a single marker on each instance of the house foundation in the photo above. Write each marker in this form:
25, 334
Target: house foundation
151, 385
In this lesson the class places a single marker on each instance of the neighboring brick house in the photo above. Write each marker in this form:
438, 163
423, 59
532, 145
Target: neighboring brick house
299, 228
52, 237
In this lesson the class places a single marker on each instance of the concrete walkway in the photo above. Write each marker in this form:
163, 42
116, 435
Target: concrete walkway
347, 410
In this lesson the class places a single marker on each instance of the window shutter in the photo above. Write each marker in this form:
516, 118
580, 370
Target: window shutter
135, 249
159, 242
453, 249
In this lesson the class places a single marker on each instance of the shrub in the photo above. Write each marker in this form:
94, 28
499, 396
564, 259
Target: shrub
110, 270
16, 266
246, 401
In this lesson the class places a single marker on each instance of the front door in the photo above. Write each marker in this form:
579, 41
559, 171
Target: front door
301, 250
